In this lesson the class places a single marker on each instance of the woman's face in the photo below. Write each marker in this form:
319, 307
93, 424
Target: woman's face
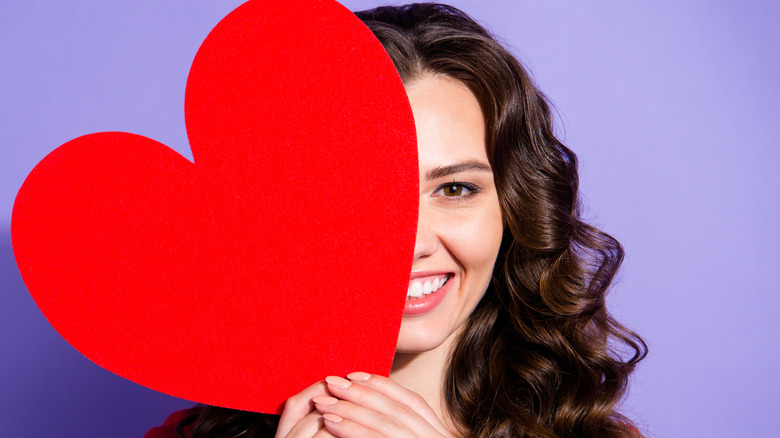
460, 225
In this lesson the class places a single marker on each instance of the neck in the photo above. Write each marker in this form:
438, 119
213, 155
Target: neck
423, 373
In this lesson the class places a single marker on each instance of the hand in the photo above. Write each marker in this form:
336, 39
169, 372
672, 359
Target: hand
300, 419
374, 406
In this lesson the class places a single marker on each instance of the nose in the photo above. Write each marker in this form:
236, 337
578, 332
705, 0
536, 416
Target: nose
427, 241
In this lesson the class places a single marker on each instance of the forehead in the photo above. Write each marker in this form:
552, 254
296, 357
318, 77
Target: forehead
449, 122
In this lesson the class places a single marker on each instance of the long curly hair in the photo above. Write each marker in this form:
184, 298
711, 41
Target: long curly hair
540, 356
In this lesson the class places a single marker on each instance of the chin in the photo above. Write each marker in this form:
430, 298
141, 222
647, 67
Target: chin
441, 325
418, 337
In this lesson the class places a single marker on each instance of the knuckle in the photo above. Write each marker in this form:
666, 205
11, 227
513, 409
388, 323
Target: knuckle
418, 399
297, 404
392, 427
294, 400
402, 409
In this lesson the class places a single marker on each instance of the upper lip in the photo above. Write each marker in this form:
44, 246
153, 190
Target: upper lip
420, 274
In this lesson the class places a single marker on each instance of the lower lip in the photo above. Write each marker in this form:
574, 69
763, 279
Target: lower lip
426, 303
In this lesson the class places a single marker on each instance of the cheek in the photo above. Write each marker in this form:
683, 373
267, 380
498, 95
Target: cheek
474, 239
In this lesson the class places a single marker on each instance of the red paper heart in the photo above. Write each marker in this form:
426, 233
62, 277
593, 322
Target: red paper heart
281, 255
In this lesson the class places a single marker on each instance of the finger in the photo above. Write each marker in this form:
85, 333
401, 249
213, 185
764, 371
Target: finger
343, 428
373, 410
308, 426
346, 420
396, 392
324, 433
299, 406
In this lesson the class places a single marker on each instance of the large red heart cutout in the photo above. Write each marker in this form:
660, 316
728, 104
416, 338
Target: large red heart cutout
280, 256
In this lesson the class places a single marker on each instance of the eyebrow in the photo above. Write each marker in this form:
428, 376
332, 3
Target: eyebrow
439, 172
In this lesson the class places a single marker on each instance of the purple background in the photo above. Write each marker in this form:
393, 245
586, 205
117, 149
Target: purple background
672, 106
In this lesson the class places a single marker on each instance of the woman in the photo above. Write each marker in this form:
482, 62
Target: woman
505, 331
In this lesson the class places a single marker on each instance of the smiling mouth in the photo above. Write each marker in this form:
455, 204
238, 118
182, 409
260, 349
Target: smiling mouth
420, 287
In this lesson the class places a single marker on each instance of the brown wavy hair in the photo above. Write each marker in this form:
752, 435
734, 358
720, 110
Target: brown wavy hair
540, 356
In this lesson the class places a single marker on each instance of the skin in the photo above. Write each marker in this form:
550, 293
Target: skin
459, 232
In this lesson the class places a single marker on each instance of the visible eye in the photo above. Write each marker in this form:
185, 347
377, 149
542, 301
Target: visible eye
456, 190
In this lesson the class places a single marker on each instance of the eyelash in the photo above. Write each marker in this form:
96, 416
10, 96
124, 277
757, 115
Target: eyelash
471, 188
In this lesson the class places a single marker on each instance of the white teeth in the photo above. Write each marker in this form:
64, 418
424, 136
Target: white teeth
420, 287
415, 290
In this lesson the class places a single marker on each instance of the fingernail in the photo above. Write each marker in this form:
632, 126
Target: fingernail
332, 417
358, 376
338, 382
324, 400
